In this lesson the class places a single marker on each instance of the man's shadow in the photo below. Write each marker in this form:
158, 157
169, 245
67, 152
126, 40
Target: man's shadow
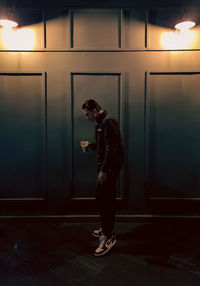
162, 243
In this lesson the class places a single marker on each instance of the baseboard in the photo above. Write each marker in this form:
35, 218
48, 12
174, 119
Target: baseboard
94, 218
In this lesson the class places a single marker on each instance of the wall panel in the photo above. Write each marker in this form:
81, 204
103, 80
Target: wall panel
173, 135
57, 28
134, 25
22, 133
96, 29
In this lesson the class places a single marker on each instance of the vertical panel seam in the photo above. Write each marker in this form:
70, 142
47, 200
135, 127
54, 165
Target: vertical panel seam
146, 125
71, 29
46, 134
72, 133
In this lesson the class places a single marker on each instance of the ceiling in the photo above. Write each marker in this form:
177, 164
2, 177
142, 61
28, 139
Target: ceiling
103, 3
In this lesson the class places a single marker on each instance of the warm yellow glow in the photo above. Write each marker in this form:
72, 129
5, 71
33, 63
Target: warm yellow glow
186, 25
8, 24
178, 39
20, 39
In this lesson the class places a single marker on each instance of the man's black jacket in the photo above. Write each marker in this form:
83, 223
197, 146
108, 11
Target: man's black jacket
110, 152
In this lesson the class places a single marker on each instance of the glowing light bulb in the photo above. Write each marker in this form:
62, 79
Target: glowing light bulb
186, 25
8, 24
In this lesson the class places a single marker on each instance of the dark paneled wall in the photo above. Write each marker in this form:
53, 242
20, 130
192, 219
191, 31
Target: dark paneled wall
139, 69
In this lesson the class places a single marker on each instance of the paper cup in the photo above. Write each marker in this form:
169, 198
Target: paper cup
84, 149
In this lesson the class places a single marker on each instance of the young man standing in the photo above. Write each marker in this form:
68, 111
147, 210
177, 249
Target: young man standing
110, 158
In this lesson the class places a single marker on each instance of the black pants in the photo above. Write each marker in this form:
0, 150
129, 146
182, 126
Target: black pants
106, 202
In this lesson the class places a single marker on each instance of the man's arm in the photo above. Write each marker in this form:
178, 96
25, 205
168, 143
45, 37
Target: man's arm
92, 146
110, 137
87, 144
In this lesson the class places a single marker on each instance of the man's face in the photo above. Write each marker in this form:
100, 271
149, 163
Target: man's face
90, 115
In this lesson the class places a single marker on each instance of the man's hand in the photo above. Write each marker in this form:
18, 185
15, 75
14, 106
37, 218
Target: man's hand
84, 145
102, 177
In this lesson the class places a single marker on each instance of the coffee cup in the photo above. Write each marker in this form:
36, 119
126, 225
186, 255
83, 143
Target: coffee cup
84, 149
84, 146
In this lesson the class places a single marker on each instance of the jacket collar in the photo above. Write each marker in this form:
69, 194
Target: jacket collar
100, 118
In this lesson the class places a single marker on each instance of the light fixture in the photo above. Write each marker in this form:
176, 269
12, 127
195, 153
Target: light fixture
9, 24
7, 17
185, 25
186, 21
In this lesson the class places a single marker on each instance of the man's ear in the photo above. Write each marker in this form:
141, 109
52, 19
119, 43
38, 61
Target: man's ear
94, 111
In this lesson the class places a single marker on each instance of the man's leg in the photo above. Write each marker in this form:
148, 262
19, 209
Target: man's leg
106, 202
108, 208
105, 197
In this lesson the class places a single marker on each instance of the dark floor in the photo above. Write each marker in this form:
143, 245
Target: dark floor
152, 254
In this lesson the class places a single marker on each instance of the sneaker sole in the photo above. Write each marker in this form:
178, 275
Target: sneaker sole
106, 251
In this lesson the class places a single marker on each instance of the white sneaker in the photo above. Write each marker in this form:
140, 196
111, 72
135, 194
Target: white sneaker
105, 245
97, 232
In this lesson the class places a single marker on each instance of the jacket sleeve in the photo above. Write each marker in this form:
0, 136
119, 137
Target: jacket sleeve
93, 146
110, 137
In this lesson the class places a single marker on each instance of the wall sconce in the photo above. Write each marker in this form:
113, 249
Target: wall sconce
185, 25
182, 37
7, 17
8, 24
186, 22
